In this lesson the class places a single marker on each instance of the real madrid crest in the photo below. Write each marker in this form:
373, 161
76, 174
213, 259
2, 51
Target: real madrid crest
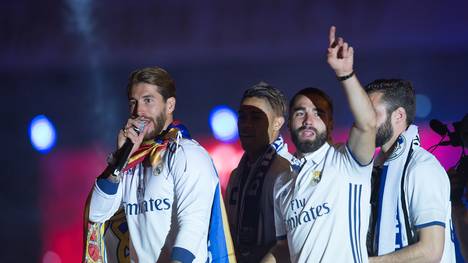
316, 176
158, 169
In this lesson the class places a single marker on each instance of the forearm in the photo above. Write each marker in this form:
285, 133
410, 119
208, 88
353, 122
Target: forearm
415, 253
105, 199
278, 253
359, 103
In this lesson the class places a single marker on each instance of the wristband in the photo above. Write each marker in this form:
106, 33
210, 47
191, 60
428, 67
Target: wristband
343, 78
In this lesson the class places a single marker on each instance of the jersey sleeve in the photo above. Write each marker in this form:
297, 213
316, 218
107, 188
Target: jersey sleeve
280, 226
195, 180
428, 191
105, 200
349, 165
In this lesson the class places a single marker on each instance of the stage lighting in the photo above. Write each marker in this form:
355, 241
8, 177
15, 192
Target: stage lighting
42, 134
223, 122
423, 105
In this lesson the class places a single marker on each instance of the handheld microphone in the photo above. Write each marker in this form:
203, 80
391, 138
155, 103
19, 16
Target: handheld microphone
124, 152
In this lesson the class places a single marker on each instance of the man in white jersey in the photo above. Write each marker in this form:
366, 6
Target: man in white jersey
249, 194
166, 189
322, 206
411, 215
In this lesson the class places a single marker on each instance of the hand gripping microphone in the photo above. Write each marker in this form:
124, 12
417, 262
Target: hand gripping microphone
124, 152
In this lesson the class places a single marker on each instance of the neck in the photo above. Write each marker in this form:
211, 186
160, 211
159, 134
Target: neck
252, 156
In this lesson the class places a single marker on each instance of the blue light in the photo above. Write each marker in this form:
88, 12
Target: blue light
223, 122
423, 105
42, 134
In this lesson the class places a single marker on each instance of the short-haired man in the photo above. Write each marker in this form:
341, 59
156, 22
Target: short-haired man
411, 218
168, 184
322, 207
249, 195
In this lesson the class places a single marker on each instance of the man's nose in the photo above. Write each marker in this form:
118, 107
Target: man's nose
308, 119
138, 110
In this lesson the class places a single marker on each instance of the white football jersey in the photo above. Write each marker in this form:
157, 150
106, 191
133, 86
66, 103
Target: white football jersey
167, 207
322, 207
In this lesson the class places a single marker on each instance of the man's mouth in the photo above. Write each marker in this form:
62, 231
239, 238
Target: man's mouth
308, 132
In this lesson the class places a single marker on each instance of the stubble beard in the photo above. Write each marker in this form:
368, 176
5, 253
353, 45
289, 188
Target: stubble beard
384, 133
158, 124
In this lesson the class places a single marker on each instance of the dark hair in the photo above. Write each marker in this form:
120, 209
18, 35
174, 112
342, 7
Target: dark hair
154, 76
272, 95
396, 93
323, 103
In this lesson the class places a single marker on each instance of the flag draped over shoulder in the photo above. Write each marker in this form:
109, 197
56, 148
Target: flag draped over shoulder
220, 246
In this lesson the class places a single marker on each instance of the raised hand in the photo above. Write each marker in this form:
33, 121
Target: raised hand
340, 55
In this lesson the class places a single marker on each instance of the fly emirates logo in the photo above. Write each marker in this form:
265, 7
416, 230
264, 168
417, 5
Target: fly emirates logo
302, 216
147, 206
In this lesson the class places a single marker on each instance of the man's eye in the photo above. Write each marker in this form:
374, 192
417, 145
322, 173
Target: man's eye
299, 114
147, 100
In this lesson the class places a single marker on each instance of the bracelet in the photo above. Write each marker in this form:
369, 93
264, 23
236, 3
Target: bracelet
343, 78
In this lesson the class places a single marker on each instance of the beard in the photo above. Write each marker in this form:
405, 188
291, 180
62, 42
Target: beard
308, 146
158, 124
384, 133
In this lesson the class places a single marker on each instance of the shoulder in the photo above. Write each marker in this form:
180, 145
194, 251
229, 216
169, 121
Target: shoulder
187, 149
423, 165
280, 164
422, 159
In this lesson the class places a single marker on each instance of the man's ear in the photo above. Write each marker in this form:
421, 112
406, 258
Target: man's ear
170, 105
399, 116
278, 123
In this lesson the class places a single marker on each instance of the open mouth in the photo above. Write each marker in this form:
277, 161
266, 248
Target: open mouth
308, 133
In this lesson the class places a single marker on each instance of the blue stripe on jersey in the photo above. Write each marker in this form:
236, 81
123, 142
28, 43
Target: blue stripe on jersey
433, 223
359, 223
355, 159
354, 220
350, 221
281, 237
107, 186
383, 178
182, 255
355, 225
399, 233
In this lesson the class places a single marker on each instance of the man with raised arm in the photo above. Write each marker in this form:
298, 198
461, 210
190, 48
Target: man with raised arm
322, 206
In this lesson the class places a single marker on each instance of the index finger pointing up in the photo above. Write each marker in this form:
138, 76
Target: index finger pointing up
331, 35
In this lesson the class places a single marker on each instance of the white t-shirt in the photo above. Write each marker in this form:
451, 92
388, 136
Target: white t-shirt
427, 189
167, 207
324, 209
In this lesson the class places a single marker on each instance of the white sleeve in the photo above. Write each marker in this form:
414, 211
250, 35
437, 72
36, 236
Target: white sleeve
346, 162
280, 226
195, 180
428, 192
104, 205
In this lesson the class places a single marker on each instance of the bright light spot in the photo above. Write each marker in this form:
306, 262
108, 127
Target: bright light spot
226, 157
42, 134
51, 257
423, 106
223, 122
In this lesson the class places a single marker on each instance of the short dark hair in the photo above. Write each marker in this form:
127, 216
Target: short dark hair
396, 93
272, 95
154, 76
323, 103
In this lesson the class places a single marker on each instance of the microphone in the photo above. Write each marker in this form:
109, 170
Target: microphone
124, 152
438, 127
